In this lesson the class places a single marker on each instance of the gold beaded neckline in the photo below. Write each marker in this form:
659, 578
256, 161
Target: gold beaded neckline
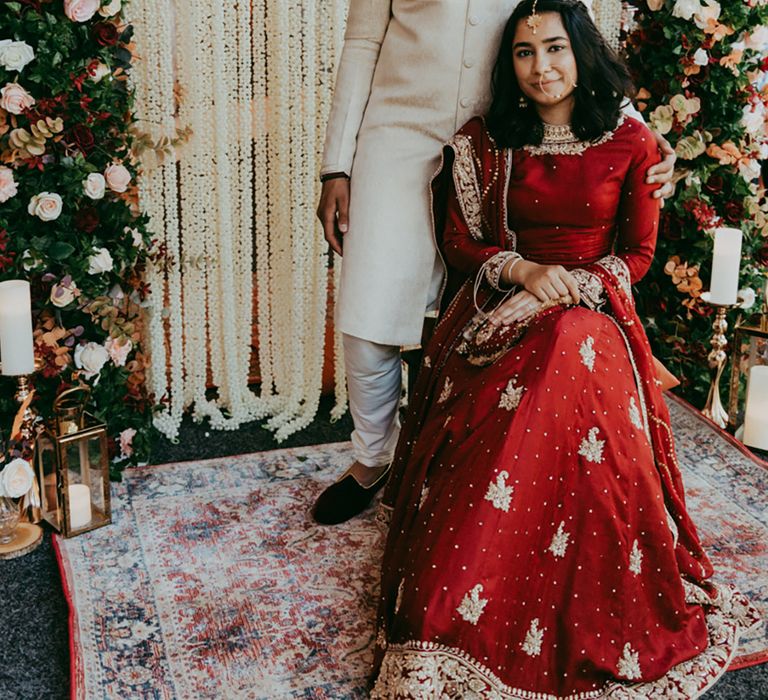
559, 139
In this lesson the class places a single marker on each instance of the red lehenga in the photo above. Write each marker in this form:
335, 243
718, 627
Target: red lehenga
539, 544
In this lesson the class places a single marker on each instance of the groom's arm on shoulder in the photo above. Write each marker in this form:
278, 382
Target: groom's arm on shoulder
367, 24
661, 174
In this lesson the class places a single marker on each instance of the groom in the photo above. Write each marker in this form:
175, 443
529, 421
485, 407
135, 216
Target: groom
411, 73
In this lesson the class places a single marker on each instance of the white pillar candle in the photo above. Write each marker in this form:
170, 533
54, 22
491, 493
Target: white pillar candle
756, 415
16, 348
726, 260
79, 506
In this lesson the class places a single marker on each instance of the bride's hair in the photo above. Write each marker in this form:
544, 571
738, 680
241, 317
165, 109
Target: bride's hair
603, 81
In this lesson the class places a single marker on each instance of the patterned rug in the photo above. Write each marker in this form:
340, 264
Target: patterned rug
213, 582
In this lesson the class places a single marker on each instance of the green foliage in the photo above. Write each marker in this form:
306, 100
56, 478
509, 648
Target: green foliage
701, 110
79, 76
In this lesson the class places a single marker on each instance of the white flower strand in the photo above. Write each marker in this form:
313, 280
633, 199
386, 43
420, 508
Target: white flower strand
238, 202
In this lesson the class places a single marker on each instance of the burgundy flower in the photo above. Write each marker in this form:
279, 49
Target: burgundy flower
87, 219
714, 184
761, 255
734, 211
82, 137
105, 33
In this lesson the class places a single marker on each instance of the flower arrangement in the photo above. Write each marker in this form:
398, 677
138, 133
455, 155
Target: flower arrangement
698, 65
69, 222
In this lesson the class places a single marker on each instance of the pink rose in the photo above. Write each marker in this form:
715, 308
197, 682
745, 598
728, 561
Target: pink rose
15, 99
81, 10
117, 177
46, 206
126, 442
8, 186
118, 352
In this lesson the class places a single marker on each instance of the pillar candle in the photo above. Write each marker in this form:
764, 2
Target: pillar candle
756, 416
726, 260
16, 348
79, 506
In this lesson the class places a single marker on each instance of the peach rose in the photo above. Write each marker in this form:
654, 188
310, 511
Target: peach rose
117, 177
15, 99
8, 187
81, 10
94, 186
126, 442
111, 8
46, 206
64, 293
118, 352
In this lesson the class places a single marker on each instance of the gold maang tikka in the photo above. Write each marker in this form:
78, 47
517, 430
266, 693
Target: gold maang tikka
534, 20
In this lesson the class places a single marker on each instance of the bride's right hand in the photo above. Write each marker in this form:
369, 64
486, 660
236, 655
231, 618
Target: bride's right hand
545, 282
517, 308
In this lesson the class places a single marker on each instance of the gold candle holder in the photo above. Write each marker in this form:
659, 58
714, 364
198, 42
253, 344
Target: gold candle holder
28, 535
714, 409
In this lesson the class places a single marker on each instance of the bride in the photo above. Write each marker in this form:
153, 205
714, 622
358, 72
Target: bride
539, 544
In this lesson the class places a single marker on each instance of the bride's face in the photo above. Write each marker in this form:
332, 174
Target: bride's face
544, 63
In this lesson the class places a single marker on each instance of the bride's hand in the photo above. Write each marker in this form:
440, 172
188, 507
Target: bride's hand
517, 308
545, 282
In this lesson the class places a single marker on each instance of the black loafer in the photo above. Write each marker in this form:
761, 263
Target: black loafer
346, 498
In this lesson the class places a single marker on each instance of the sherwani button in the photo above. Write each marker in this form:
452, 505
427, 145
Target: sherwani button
474, 20
465, 102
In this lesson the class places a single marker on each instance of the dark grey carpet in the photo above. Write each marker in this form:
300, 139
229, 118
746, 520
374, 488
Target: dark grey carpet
34, 651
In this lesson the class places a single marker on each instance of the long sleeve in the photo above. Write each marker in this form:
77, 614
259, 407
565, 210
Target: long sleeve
638, 213
462, 251
367, 24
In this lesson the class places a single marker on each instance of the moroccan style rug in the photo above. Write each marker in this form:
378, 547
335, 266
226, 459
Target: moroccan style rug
213, 581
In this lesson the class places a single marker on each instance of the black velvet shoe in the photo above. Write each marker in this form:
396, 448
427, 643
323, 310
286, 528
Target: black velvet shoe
345, 499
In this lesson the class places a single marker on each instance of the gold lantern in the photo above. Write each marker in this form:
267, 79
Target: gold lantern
750, 349
73, 467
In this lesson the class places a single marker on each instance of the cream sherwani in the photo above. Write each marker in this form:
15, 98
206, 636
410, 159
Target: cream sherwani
411, 73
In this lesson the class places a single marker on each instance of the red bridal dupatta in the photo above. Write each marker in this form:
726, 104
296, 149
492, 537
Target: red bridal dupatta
539, 544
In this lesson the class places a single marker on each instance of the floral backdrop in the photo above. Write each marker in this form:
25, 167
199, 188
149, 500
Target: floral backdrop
68, 216
699, 65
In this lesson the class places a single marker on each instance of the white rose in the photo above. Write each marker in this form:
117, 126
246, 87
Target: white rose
685, 9
111, 8
749, 296
749, 169
99, 72
8, 187
90, 357
100, 261
17, 478
81, 10
758, 39
117, 177
94, 186
15, 99
701, 57
62, 295
118, 352
46, 206
14, 55
753, 118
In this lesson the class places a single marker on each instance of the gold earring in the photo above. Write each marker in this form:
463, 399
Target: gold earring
523, 102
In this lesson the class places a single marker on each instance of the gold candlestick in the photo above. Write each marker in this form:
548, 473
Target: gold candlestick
714, 409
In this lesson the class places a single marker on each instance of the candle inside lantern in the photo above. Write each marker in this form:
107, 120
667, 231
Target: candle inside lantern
756, 416
16, 347
79, 506
726, 260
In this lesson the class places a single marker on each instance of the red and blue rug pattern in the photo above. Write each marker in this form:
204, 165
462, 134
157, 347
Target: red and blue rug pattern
213, 581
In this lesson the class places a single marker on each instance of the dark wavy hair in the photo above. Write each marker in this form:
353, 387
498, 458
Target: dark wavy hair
603, 80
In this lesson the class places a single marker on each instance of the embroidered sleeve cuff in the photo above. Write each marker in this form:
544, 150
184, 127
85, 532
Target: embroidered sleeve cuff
590, 288
493, 267
618, 268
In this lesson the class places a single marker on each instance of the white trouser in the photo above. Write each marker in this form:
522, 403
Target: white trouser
374, 380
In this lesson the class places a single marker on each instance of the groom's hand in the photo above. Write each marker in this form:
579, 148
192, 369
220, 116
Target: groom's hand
662, 173
333, 211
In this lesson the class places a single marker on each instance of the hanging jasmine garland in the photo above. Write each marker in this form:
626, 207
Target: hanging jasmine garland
68, 216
